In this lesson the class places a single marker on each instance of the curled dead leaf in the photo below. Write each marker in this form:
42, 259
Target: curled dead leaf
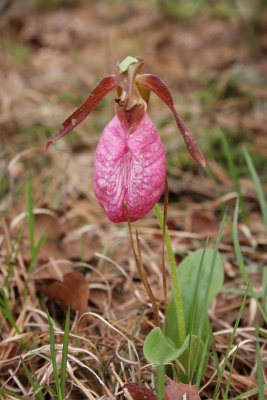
173, 391
138, 392
180, 391
73, 291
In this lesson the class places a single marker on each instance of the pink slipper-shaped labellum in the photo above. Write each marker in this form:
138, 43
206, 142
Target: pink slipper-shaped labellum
129, 165
129, 169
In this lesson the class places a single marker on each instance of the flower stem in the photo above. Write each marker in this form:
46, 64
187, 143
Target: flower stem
175, 280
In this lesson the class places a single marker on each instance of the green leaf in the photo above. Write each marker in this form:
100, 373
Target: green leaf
188, 274
124, 65
160, 350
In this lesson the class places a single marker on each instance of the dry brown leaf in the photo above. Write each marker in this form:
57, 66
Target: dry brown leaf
138, 392
178, 390
173, 391
73, 291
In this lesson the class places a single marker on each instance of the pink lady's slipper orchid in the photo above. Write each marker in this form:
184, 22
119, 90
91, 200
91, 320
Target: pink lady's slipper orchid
129, 164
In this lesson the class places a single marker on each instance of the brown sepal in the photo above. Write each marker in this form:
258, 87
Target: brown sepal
101, 90
152, 82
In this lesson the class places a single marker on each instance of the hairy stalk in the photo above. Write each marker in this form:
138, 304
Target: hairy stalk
175, 280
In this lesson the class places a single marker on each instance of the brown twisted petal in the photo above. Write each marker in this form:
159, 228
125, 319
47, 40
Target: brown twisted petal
152, 82
98, 93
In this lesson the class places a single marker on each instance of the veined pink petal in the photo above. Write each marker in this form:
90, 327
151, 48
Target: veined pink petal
129, 169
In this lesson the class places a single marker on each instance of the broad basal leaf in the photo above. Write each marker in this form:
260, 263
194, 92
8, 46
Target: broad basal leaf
160, 350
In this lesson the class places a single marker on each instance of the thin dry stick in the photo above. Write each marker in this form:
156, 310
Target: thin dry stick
141, 271
163, 266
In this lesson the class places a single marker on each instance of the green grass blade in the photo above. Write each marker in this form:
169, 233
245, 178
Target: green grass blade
201, 368
30, 206
259, 367
213, 350
220, 375
12, 395
237, 246
138, 322
65, 353
247, 394
102, 365
37, 391
175, 281
216, 248
241, 262
241, 291
53, 356
217, 189
264, 285
230, 375
192, 319
258, 187
5, 309
191, 370
196, 291
38, 388
36, 251
33, 381
234, 174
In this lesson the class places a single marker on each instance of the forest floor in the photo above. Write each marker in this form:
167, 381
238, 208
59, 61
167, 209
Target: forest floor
214, 61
